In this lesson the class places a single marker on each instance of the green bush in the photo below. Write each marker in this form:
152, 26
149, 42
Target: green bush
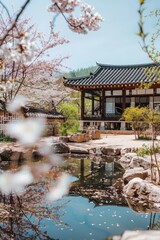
70, 112
4, 138
145, 150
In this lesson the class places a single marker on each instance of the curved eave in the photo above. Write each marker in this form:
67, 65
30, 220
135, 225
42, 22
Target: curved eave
144, 65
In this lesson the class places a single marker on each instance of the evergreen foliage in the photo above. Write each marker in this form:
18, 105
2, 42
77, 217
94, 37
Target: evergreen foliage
81, 72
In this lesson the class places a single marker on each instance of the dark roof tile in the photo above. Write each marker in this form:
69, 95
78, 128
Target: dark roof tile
120, 74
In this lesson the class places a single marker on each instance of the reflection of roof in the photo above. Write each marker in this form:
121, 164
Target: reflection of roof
100, 196
36, 112
120, 74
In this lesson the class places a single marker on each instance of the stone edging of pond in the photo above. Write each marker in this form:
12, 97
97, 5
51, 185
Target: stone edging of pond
15, 151
141, 193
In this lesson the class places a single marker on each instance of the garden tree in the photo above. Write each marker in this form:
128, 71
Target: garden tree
35, 77
142, 118
136, 116
71, 114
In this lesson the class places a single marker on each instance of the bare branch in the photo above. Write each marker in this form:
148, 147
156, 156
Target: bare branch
5, 9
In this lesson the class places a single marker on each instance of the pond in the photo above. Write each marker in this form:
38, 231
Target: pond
95, 208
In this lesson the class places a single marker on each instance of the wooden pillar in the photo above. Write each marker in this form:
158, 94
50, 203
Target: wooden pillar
92, 104
82, 104
100, 104
123, 125
123, 100
103, 104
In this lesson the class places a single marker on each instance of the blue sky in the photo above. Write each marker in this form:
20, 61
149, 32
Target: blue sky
115, 43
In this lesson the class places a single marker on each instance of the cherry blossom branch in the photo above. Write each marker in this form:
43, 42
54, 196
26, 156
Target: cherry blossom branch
39, 88
14, 22
72, 25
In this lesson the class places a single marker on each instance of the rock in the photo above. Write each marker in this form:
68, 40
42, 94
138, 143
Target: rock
134, 173
36, 155
98, 152
125, 160
64, 139
110, 151
78, 150
15, 155
125, 150
92, 151
26, 154
5, 153
130, 155
60, 148
79, 137
141, 235
142, 195
139, 162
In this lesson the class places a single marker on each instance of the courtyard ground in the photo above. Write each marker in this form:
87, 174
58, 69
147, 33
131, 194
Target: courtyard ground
111, 140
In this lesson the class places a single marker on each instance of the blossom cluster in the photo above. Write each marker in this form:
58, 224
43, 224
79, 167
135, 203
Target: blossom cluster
65, 6
21, 49
88, 21
6, 86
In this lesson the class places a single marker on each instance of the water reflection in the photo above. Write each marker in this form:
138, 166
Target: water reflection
100, 182
94, 209
21, 216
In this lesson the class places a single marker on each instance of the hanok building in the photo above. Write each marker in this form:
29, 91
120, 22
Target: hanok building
110, 89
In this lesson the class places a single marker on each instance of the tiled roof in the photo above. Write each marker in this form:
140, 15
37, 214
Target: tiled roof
120, 74
35, 112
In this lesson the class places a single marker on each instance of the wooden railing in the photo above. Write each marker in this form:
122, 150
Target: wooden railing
8, 118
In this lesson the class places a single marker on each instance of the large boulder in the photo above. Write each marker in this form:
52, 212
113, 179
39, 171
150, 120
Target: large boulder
134, 173
140, 235
78, 150
125, 150
139, 162
5, 153
142, 195
60, 147
126, 159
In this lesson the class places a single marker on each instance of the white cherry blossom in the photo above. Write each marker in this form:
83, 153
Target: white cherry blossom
15, 182
45, 149
22, 49
16, 104
61, 189
27, 131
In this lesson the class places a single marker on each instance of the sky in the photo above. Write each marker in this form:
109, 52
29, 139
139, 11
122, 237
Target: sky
116, 42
